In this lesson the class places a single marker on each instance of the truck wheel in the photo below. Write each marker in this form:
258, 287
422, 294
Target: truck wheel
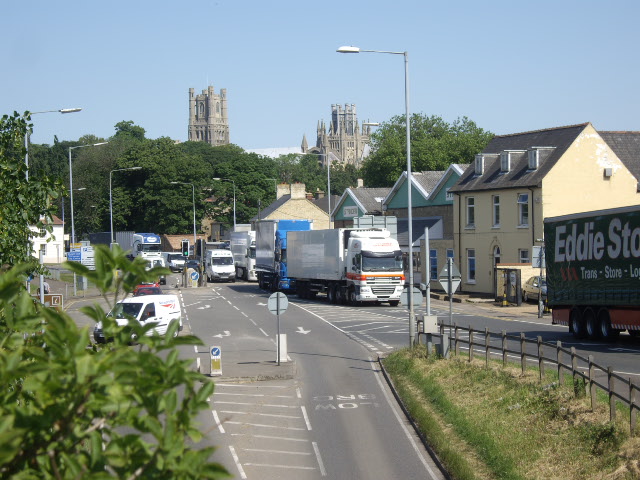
394, 303
591, 324
604, 326
331, 294
352, 297
577, 325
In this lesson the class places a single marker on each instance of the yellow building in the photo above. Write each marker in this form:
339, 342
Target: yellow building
501, 200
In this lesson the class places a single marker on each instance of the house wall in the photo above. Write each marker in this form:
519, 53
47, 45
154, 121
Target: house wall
301, 210
54, 249
577, 183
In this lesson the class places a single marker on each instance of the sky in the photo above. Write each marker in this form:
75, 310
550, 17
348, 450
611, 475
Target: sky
509, 66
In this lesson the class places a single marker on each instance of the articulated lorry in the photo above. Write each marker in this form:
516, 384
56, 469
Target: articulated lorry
358, 265
271, 252
243, 248
146, 245
593, 272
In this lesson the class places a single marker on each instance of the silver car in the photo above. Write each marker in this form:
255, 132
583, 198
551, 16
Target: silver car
531, 289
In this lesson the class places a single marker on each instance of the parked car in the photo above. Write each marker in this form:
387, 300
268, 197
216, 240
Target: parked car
146, 290
531, 289
146, 285
195, 264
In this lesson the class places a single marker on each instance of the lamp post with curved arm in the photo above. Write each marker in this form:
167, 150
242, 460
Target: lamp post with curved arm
352, 49
26, 137
111, 198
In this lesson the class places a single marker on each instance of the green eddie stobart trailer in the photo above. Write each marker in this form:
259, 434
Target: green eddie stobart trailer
593, 271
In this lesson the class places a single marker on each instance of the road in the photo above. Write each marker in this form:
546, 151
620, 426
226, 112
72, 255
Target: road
327, 412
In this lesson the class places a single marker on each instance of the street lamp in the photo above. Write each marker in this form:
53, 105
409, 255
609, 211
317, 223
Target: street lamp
73, 229
352, 49
234, 198
193, 192
26, 137
113, 240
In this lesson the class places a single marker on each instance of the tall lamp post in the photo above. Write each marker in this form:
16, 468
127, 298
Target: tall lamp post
113, 240
73, 229
351, 49
193, 194
234, 198
26, 137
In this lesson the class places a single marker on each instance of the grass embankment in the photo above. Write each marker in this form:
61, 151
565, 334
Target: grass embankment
495, 423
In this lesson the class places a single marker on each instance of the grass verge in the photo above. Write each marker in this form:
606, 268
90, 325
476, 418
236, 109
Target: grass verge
495, 423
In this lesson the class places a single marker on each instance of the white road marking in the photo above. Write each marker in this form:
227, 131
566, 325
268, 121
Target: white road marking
237, 461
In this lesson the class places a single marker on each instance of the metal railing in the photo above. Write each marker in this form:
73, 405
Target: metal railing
564, 361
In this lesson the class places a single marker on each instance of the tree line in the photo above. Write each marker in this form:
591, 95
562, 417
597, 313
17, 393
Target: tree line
145, 199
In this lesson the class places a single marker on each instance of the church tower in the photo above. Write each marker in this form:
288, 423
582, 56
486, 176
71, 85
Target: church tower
344, 140
208, 120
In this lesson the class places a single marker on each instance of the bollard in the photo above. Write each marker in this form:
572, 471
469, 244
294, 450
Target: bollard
505, 303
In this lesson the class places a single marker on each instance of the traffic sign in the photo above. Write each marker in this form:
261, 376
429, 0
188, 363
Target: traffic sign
416, 297
456, 278
74, 255
278, 303
195, 275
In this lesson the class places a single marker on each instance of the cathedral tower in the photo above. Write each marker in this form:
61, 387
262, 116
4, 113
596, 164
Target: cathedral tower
208, 120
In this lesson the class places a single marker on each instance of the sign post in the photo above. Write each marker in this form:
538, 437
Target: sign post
216, 360
450, 279
277, 304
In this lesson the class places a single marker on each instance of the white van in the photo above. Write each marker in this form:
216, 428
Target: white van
219, 266
157, 262
160, 309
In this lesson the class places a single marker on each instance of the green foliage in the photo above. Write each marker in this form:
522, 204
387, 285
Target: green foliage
23, 203
70, 409
435, 145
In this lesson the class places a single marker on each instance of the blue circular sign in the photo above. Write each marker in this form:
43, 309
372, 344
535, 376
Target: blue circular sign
195, 275
215, 351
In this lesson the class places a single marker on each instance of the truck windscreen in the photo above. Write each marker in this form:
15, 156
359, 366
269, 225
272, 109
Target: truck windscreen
377, 262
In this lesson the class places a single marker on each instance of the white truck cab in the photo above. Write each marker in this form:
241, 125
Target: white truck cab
160, 309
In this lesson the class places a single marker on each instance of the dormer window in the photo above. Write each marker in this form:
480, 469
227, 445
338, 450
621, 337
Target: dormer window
505, 161
479, 164
534, 159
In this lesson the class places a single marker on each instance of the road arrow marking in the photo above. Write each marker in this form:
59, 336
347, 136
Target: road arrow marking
302, 330
205, 307
226, 334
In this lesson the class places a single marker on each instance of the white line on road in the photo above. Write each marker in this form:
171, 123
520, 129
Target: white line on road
275, 451
319, 458
245, 424
270, 437
306, 417
265, 333
217, 420
237, 460
260, 414
218, 402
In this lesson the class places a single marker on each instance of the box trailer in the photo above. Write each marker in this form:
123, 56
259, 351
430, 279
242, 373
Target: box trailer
593, 271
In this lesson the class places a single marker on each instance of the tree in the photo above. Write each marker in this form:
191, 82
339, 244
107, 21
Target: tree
435, 145
23, 203
70, 409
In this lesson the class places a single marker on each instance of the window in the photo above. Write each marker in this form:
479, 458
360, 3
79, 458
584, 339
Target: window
496, 256
471, 265
471, 212
496, 210
505, 162
523, 209
449, 252
479, 170
433, 264
449, 196
523, 255
534, 159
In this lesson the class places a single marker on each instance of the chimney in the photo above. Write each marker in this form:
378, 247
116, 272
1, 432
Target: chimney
319, 193
282, 189
298, 191
360, 183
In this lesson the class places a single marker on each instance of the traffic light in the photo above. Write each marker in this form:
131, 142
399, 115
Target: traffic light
185, 248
